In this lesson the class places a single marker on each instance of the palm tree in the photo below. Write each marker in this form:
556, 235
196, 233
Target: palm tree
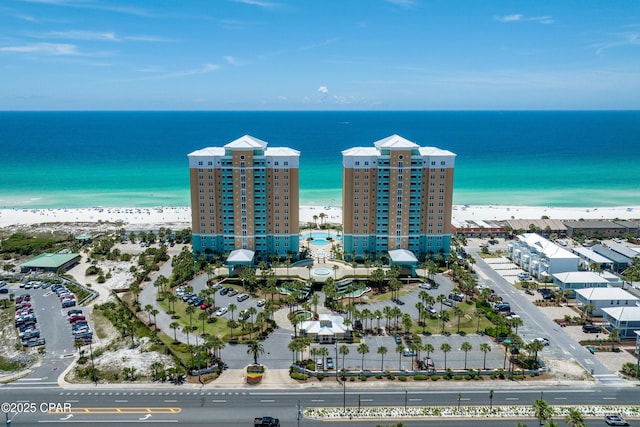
588, 311
534, 347
363, 349
255, 349
343, 350
154, 312
186, 330
428, 347
458, 312
575, 418
382, 350
614, 336
542, 411
174, 326
203, 315
466, 347
445, 348
399, 350
190, 310
485, 348
148, 308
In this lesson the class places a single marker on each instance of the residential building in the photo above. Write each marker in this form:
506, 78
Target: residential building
589, 258
544, 227
541, 257
594, 228
601, 298
397, 195
478, 228
625, 319
245, 196
571, 281
619, 262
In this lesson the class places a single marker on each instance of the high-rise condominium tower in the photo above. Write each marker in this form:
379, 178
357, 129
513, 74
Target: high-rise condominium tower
245, 196
397, 195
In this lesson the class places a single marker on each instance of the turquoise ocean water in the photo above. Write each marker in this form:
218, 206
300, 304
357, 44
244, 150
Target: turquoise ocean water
136, 159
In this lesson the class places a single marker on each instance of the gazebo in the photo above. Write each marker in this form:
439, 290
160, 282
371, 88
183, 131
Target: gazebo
404, 259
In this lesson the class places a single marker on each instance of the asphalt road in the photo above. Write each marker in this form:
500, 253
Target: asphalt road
227, 407
537, 325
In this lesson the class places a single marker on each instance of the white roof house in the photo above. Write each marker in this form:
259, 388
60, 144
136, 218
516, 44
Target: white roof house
601, 298
625, 319
573, 280
541, 257
326, 329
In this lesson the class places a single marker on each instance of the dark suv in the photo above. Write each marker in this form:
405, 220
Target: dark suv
590, 329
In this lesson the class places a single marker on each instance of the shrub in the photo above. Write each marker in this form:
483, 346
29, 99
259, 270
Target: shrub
420, 377
402, 378
320, 376
298, 376
391, 377
363, 377
457, 377
435, 377
378, 376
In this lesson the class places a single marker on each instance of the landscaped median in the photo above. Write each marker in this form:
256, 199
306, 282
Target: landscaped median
506, 412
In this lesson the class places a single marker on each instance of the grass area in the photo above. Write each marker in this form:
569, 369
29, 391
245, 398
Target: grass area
468, 322
100, 324
217, 327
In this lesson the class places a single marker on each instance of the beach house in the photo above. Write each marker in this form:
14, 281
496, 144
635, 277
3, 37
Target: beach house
625, 319
601, 298
541, 257
571, 281
397, 195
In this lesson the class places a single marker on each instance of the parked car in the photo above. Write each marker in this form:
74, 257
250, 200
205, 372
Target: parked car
329, 363
221, 311
424, 285
261, 303
242, 297
545, 342
232, 293
591, 329
407, 352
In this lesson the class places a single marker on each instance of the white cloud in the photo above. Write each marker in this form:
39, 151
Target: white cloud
509, 18
324, 93
623, 39
257, 3
231, 60
518, 17
205, 69
408, 4
78, 35
50, 49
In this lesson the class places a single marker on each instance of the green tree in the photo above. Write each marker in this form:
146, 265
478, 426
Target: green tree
466, 347
382, 350
343, 350
485, 348
542, 411
363, 349
175, 326
445, 348
255, 349
575, 418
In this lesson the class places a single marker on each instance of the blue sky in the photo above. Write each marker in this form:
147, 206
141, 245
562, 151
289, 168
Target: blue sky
319, 55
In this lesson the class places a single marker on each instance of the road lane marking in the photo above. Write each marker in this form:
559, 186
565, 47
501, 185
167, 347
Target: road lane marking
317, 400
170, 400
117, 410
267, 400
218, 401
121, 401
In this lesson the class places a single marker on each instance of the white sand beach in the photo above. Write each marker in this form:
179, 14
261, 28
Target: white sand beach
180, 217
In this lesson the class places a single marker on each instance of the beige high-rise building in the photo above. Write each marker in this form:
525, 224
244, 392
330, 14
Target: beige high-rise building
397, 195
245, 196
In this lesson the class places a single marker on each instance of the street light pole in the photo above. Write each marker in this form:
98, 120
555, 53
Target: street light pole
336, 364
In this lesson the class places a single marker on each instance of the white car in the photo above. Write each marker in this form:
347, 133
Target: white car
221, 311
545, 342
615, 420
423, 285
261, 302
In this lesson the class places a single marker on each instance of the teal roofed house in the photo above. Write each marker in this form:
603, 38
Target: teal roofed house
50, 262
